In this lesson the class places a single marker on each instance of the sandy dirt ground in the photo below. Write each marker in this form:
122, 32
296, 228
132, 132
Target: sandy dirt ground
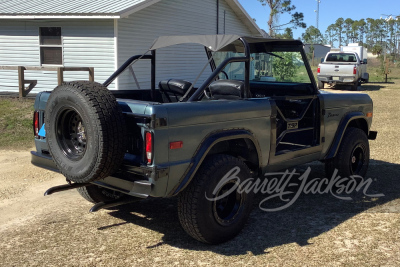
318, 230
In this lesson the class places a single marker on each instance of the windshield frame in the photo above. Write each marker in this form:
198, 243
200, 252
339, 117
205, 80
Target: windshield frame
244, 45
247, 50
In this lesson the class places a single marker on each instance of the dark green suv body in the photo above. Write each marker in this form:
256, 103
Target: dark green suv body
258, 111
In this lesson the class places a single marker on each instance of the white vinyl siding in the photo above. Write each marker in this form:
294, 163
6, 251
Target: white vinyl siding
86, 44
233, 25
92, 43
172, 17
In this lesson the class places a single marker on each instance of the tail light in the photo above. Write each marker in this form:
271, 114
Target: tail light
355, 70
149, 147
36, 124
319, 69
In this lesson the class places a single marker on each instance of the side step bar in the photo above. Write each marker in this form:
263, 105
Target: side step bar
110, 204
65, 187
136, 189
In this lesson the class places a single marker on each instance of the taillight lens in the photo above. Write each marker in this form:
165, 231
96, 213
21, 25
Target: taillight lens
36, 124
355, 70
319, 69
149, 147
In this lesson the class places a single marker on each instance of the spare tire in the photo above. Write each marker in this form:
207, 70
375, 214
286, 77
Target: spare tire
85, 131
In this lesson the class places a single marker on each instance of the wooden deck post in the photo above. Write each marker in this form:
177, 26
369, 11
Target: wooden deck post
24, 91
21, 81
60, 75
91, 74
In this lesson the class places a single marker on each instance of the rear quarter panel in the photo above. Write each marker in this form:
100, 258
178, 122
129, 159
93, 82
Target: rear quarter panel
193, 122
336, 107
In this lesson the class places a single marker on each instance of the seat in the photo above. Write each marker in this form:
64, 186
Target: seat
173, 89
351, 59
226, 89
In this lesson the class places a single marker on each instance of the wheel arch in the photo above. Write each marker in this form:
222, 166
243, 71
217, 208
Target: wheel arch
240, 143
352, 119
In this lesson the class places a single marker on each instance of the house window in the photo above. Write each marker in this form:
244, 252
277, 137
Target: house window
51, 51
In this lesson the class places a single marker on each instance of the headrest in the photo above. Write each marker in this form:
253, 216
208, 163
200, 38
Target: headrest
227, 89
175, 86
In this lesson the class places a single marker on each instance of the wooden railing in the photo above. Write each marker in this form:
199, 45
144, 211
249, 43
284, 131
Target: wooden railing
24, 91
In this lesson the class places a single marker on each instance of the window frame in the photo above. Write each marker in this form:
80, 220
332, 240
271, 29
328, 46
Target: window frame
51, 46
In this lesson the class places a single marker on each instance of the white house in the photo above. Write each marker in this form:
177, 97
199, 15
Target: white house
103, 34
320, 50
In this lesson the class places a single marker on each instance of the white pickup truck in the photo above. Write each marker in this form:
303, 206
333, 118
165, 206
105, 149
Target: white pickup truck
348, 66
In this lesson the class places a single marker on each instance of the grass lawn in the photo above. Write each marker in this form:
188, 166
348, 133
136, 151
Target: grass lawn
16, 115
317, 230
16, 123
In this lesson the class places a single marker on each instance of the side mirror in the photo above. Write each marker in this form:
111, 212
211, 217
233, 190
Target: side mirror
322, 60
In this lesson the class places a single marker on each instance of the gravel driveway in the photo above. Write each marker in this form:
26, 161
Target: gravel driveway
318, 230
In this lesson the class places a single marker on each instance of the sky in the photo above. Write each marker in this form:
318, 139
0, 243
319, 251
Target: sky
329, 11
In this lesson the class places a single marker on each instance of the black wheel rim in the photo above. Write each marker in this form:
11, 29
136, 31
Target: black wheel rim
71, 133
227, 209
357, 159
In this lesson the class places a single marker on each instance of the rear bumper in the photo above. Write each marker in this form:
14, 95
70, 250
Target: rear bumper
128, 179
372, 135
337, 79
43, 161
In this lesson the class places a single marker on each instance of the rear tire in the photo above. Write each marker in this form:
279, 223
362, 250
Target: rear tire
321, 85
85, 131
354, 86
96, 194
215, 221
352, 157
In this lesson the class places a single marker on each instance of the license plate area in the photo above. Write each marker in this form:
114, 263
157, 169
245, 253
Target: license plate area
335, 78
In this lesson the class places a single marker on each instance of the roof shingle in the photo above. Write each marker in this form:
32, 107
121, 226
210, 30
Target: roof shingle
69, 7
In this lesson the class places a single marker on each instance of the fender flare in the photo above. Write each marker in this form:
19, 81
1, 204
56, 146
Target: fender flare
341, 130
204, 148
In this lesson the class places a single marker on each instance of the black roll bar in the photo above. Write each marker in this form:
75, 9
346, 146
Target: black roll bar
153, 74
215, 73
127, 63
200, 90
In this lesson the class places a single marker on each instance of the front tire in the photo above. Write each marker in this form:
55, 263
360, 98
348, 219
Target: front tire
352, 157
215, 220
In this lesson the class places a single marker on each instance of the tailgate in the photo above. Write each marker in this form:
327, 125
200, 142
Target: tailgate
342, 69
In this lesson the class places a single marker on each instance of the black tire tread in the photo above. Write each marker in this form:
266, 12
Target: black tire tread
105, 110
354, 87
187, 201
321, 85
93, 194
350, 134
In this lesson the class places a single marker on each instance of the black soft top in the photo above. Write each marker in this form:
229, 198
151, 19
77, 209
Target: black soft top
223, 42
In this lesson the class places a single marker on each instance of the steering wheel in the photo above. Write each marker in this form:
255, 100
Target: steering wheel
207, 93
226, 75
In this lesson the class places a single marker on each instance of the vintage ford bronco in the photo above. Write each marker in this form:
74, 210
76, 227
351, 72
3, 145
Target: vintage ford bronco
258, 110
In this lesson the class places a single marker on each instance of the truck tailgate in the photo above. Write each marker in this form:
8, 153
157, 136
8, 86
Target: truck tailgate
341, 69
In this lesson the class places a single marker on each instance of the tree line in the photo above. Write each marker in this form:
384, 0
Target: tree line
378, 35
